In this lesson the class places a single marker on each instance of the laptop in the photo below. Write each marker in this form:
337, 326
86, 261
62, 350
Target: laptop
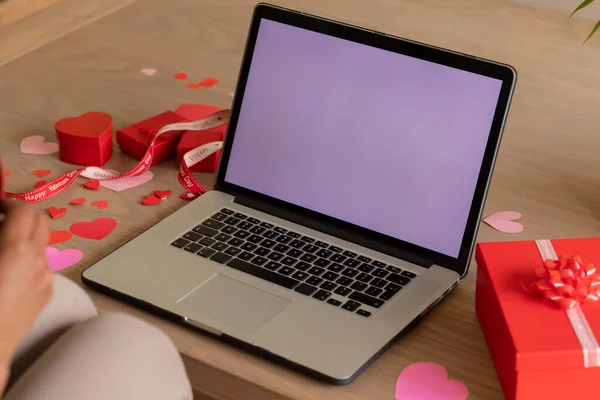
347, 200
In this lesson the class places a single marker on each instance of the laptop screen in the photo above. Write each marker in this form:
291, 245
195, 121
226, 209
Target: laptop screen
390, 143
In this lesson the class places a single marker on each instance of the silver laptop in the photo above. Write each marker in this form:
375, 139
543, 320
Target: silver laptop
347, 201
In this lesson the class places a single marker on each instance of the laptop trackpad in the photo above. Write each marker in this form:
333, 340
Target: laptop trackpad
231, 302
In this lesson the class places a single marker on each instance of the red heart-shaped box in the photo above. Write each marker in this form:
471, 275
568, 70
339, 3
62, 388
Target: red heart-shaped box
85, 140
192, 139
135, 139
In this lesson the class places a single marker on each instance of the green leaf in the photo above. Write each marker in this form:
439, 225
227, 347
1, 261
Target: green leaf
593, 31
582, 5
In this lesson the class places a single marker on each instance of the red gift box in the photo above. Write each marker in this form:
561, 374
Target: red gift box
192, 139
85, 140
533, 343
135, 139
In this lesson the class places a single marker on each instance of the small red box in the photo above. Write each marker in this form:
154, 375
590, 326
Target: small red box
135, 139
534, 347
192, 139
85, 140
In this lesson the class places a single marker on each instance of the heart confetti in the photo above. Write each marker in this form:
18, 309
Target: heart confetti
37, 145
428, 381
6, 174
121, 184
56, 212
195, 85
92, 185
151, 200
504, 221
97, 229
40, 173
210, 82
39, 183
59, 237
148, 71
162, 194
189, 196
101, 204
77, 201
58, 260
180, 76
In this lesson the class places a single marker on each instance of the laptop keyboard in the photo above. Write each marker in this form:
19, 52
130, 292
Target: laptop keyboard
314, 268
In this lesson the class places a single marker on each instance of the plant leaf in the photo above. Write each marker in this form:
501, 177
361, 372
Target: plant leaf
582, 5
596, 27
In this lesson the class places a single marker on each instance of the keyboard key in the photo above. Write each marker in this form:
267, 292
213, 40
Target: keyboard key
248, 246
205, 230
310, 248
324, 253
221, 258
207, 241
181, 243
294, 253
219, 246
268, 243
322, 295
342, 291
270, 234
193, 236
351, 262
393, 287
366, 299
387, 295
293, 235
286, 270
272, 265
351, 306
283, 239
245, 225
246, 256
279, 229
258, 260
305, 289
255, 239
240, 216
379, 264
409, 274
297, 244
402, 280
316, 271
335, 249
365, 268
378, 282
232, 251
393, 269
258, 230
344, 281
308, 257
359, 286
363, 313
265, 274
334, 302
364, 259
289, 261
338, 258
266, 225
335, 267
321, 262
227, 211
366, 278
302, 266
231, 221
275, 256
373, 291
313, 280
350, 272
328, 286
206, 252
282, 248
241, 234
330, 276
321, 244
192, 247
300, 275
219, 217
307, 239
349, 254
254, 220
211, 223
380, 273
235, 242
261, 251
221, 237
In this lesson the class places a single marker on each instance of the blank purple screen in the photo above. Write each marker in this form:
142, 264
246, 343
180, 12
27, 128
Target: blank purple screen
381, 140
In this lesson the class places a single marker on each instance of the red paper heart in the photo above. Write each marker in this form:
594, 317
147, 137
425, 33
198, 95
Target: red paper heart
162, 194
92, 185
42, 172
195, 85
189, 196
39, 184
180, 76
101, 204
57, 212
77, 201
210, 82
151, 200
6, 174
97, 229
89, 125
59, 237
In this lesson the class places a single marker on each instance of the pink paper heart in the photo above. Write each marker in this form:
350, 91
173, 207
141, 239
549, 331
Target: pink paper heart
504, 221
38, 145
58, 260
148, 71
428, 381
121, 184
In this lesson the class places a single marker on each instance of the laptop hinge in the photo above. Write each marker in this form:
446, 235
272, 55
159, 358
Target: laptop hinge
360, 240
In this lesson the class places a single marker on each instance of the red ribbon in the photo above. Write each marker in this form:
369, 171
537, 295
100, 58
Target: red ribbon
566, 282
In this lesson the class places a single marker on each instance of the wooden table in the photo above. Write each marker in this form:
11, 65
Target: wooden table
547, 167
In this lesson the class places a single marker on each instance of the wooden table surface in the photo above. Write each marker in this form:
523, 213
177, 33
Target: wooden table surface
91, 58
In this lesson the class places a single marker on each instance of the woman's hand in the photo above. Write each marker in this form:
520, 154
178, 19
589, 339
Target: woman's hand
25, 278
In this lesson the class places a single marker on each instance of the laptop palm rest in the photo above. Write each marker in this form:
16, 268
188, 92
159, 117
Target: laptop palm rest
232, 303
